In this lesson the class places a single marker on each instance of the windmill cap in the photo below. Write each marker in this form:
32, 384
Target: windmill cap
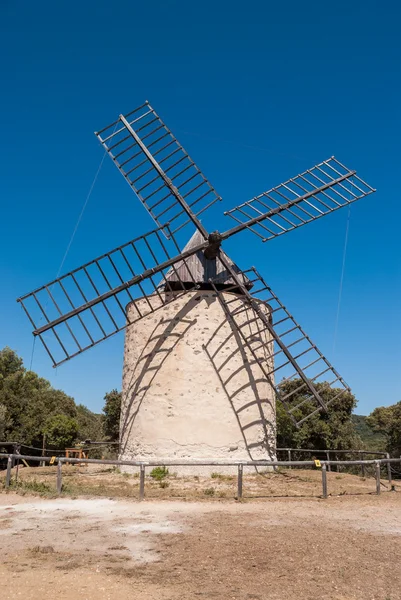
198, 270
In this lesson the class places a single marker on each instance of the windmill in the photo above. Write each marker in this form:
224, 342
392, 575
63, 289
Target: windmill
208, 346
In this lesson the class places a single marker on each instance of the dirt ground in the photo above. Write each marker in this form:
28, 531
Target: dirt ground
346, 547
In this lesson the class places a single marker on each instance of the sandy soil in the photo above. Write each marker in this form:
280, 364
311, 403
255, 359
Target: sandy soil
342, 548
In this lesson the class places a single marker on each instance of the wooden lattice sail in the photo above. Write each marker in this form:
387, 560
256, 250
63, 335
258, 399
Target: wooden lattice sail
87, 305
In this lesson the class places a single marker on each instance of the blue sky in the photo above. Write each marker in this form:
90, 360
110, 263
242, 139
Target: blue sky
256, 92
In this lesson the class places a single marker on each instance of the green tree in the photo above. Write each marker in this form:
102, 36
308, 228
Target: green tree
3, 421
372, 440
90, 425
27, 401
111, 417
387, 421
10, 362
61, 431
333, 429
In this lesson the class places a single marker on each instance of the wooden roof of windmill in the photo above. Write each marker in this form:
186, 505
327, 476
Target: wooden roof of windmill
198, 270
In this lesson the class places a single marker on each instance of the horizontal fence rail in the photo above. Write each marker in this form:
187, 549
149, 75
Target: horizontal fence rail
290, 453
91, 444
324, 465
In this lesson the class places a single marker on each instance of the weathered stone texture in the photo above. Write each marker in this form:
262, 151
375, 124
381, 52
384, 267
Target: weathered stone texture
191, 390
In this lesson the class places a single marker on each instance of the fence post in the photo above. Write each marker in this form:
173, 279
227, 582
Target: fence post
289, 457
9, 467
328, 459
389, 471
377, 477
142, 483
324, 480
362, 466
59, 477
18, 451
239, 492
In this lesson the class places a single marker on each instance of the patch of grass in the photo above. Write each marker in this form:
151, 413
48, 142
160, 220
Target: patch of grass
163, 483
339, 477
33, 486
119, 490
222, 477
209, 491
159, 473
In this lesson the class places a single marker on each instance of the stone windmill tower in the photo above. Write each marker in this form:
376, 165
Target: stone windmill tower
191, 388
209, 348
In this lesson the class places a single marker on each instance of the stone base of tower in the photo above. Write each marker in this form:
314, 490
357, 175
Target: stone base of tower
191, 390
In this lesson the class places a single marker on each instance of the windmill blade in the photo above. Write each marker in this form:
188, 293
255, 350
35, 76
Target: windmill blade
307, 197
281, 348
88, 305
158, 169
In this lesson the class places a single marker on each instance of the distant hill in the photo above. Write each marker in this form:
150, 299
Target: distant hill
371, 440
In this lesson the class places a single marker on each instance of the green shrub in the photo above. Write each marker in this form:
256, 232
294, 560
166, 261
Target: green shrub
159, 473
209, 491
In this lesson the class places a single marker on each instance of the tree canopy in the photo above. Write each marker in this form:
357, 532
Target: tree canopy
372, 440
387, 421
333, 429
30, 408
60, 431
111, 418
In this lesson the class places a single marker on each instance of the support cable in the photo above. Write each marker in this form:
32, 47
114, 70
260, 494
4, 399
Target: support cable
32, 353
341, 280
81, 214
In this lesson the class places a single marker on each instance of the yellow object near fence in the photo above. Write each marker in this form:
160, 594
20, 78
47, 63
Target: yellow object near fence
317, 463
53, 458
